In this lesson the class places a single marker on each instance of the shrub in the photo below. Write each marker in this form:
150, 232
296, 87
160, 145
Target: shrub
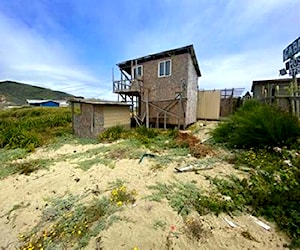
32, 127
258, 125
113, 133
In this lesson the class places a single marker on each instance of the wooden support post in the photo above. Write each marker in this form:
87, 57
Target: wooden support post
292, 99
165, 120
296, 94
73, 112
157, 120
147, 108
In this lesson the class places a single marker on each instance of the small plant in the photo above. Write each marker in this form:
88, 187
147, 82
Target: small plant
121, 196
159, 224
194, 228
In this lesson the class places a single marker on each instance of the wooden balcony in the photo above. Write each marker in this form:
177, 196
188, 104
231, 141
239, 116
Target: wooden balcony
132, 87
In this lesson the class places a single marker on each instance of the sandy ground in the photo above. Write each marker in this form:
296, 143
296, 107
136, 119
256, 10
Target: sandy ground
138, 228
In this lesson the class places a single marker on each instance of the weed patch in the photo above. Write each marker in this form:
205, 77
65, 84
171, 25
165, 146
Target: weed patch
8, 155
272, 189
68, 223
194, 228
187, 197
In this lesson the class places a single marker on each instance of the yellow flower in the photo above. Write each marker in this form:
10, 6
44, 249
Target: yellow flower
135, 248
114, 192
79, 232
119, 203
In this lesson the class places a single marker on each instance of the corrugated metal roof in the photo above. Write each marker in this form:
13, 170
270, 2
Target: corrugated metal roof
32, 101
99, 102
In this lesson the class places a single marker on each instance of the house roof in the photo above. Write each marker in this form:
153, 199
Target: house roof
98, 102
32, 101
273, 81
126, 66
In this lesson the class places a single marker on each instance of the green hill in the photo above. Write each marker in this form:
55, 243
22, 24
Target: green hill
15, 93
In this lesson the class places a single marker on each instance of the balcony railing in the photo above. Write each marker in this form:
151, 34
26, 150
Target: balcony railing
124, 86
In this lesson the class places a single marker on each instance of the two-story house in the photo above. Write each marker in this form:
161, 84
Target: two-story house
161, 87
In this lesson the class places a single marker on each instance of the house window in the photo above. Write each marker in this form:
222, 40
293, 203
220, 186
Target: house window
137, 71
164, 68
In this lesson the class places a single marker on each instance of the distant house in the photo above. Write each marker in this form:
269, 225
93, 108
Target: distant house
276, 91
47, 103
91, 117
161, 87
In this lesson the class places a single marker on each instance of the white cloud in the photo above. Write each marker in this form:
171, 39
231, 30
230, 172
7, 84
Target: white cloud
28, 57
239, 70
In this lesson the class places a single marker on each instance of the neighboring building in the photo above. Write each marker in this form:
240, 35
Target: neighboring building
161, 87
277, 91
47, 103
91, 117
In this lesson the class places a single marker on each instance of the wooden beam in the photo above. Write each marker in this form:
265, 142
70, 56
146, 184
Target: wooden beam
169, 113
147, 108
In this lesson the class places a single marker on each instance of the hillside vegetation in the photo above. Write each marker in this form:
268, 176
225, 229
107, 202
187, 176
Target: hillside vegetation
16, 93
32, 127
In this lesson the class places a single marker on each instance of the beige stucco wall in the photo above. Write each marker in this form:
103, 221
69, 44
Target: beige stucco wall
116, 115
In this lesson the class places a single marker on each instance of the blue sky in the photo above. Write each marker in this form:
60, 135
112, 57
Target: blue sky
72, 45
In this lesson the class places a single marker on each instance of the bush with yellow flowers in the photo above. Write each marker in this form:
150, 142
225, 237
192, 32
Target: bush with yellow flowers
70, 224
121, 196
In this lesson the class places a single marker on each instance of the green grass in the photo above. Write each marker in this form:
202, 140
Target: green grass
6, 157
87, 164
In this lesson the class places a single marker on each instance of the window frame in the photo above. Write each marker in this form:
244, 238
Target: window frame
164, 62
135, 69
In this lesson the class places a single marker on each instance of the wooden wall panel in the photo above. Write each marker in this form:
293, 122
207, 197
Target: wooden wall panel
116, 115
209, 104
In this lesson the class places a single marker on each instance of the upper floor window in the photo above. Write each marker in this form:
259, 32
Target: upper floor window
164, 68
137, 71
